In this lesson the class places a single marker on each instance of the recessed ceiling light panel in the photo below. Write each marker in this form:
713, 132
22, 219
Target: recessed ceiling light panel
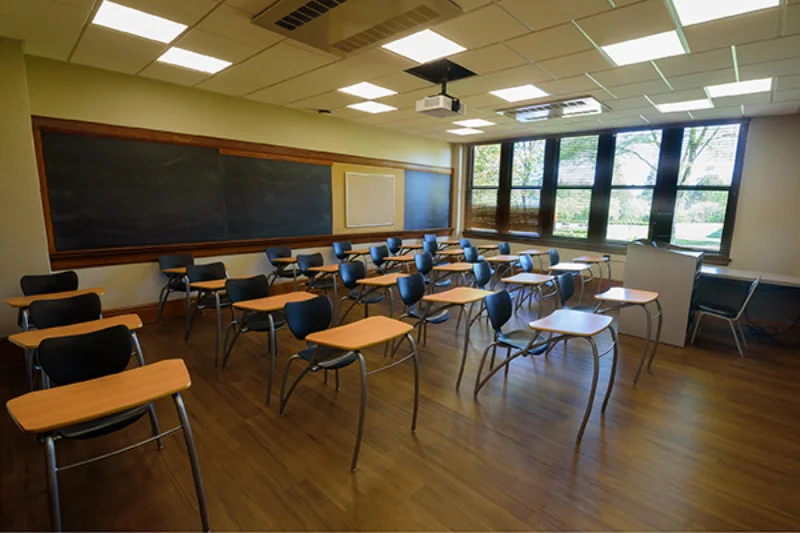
367, 90
424, 46
690, 105
193, 61
474, 123
135, 22
465, 131
523, 92
372, 107
740, 87
699, 11
643, 49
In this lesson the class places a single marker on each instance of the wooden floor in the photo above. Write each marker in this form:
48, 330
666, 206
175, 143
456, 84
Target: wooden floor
705, 441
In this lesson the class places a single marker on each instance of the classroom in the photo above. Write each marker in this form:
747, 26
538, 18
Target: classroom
400, 265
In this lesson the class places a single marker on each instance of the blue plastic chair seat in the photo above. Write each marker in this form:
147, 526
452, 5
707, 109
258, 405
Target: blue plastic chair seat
375, 298
326, 283
260, 321
329, 358
443, 283
519, 339
436, 318
722, 310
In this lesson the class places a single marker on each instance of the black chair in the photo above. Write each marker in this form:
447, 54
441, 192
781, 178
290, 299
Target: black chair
395, 245
554, 256
175, 282
282, 270
359, 294
69, 360
303, 319
464, 243
730, 314
412, 289
340, 249
471, 255
45, 284
500, 309
313, 279
381, 258
205, 299
504, 248
425, 264
54, 313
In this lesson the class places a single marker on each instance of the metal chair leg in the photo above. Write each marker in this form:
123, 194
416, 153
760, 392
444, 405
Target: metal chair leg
336, 372
698, 317
362, 410
592, 391
151, 412
735, 337
228, 348
508, 356
658, 332
415, 360
646, 343
188, 315
481, 365
162, 299
198, 481
612, 377
52, 482
285, 395
741, 333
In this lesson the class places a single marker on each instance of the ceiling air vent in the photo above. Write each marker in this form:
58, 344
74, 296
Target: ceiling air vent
345, 27
573, 107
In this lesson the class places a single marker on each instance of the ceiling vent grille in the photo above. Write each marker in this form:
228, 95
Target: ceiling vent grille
384, 30
305, 14
573, 107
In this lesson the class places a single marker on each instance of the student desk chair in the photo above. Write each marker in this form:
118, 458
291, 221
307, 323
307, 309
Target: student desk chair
506, 262
532, 282
287, 261
486, 247
410, 247
215, 287
450, 242
568, 324
270, 305
24, 302
598, 260
462, 269
452, 254
576, 269
387, 281
333, 272
406, 259
538, 254
458, 297
46, 413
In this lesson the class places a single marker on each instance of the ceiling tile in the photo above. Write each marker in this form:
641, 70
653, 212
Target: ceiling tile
734, 30
173, 74
471, 86
743, 99
540, 14
696, 62
112, 50
626, 104
330, 100
377, 62
487, 101
630, 22
638, 89
489, 59
321, 80
470, 5
213, 45
734, 111
48, 28
554, 42
787, 82
569, 86
408, 99
792, 19
251, 7
481, 27
271, 66
572, 65
779, 108
770, 50
517, 76
401, 82
678, 96
702, 79
628, 74
184, 11
235, 24
781, 67
786, 96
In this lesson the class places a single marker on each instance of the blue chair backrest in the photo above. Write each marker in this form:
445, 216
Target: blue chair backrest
308, 316
431, 247
412, 288
304, 262
526, 263
464, 243
242, 289
499, 308
566, 287
339, 249
208, 272
352, 272
379, 254
471, 254
504, 248
424, 262
483, 273
554, 256
276, 252
395, 244
430, 237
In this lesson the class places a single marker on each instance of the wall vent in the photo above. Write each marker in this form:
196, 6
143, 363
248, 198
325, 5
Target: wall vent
405, 21
573, 107
307, 13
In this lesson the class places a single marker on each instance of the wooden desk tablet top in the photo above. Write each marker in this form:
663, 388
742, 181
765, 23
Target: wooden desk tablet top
47, 410
179, 270
26, 301
413, 246
285, 260
212, 285
451, 242
487, 246
593, 259
361, 251
33, 338
401, 258
622, 295
451, 253
503, 259
458, 296
533, 251
571, 322
569, 267
527, 279
273, 303
362, 334
325, 269
454, 267
381, 281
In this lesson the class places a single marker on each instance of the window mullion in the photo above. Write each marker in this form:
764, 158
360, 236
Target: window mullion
662, 212
601, 190
548, 195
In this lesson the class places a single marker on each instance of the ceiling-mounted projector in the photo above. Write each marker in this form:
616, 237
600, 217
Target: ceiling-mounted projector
441, 106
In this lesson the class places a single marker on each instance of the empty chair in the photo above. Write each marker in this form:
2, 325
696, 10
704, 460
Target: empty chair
359, 294
464, 243
395, 245
205, 299
412, 289
500, 309
483, 274
554, 256
380, 258
504, 248
314, 281
282, 270
340, 249
431, 237
45, 284
54, 313
729, 314
471, 255
526, 263
175, 282
425, 264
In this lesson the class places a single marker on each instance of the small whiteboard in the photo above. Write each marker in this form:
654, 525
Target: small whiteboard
369, 199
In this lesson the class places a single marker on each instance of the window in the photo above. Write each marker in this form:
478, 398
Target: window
527, 177
577, 162
705, 176
636, 159
485, 185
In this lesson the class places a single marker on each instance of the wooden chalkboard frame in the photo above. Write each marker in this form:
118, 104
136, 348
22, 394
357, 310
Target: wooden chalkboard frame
139, 254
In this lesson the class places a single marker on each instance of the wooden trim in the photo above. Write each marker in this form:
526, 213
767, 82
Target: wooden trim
272, 157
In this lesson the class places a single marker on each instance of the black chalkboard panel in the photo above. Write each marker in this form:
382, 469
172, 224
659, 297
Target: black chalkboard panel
269, 198
107, 192
427, 201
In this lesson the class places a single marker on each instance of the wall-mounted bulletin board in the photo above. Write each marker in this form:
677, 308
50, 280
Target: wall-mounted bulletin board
115, 195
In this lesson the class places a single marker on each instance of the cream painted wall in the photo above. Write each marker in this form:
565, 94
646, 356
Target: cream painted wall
56, 89
22, 229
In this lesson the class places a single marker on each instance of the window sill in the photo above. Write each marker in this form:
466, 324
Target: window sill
575, 244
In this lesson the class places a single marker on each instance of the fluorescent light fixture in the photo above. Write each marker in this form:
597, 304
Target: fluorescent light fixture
133, 21
590, 107
740, 87
690, 105
424, 46
643, 49
372, 107
465, 131
523, 92
474, 123
367, 90
193, 61
698, 11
